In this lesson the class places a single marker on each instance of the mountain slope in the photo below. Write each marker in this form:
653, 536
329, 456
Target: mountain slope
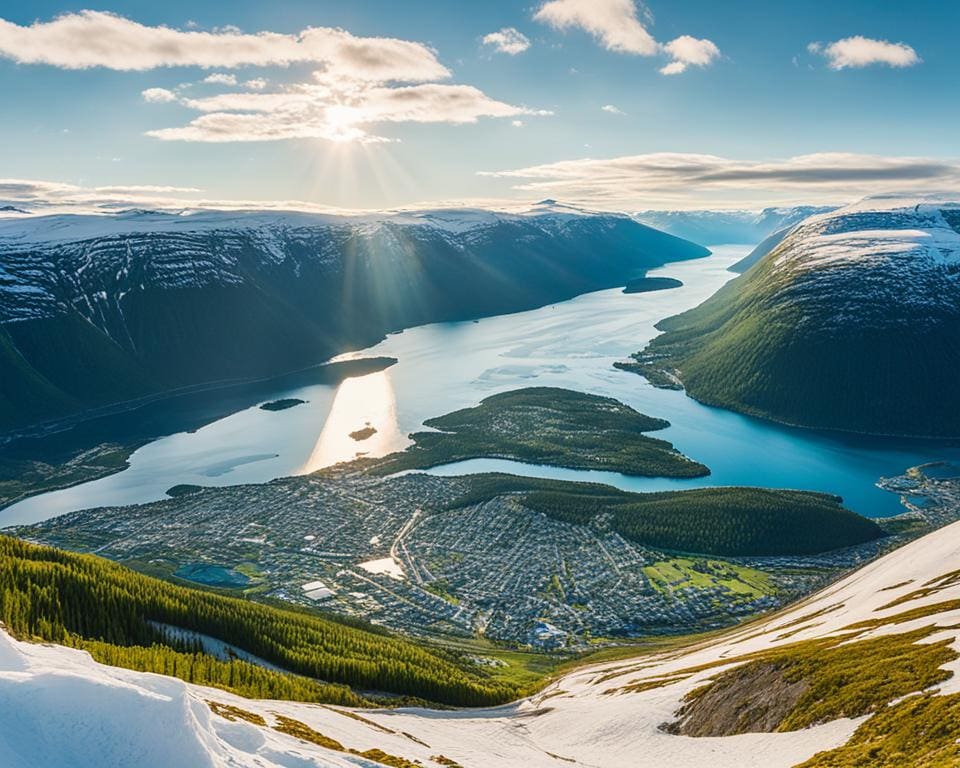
96, 309
889, 629
766, 246
852, 322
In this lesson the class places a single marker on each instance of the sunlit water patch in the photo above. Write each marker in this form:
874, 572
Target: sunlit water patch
362, 422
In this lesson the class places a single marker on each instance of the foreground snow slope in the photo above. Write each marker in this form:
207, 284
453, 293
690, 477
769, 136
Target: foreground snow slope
60, 708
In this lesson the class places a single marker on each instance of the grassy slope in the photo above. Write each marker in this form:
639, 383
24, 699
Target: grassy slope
544, 425
888, 677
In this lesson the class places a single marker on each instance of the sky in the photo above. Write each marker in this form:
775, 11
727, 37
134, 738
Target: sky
611, 104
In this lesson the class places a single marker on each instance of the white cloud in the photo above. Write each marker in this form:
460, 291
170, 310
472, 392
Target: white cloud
508, 40
612, 109
694, 180
517, 123
358, 81
49, 197
221, 78
96, 39
613, 22
158, 95
617, 26
858, 52
686, 52
327, 111
145, 189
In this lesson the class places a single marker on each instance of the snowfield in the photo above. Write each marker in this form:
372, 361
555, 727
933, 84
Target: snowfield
881, 261
58, 702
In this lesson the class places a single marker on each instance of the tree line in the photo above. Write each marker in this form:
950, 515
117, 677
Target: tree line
91, 603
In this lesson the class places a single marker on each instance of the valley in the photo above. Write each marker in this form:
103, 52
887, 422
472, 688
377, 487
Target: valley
526, 562
565, 384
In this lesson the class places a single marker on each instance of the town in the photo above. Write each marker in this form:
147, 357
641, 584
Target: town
401, 552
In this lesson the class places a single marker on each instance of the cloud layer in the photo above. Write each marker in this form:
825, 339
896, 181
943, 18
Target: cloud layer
50, 197
507, 40
694, 180
358, 82
95, 39
858, 52
332, 111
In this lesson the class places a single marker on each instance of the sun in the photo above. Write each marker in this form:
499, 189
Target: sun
342, 124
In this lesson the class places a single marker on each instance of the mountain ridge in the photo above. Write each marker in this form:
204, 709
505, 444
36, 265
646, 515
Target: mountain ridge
96, 309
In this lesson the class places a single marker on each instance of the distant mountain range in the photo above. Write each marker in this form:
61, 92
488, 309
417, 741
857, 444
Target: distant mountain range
851, 322
96, 309
717, 227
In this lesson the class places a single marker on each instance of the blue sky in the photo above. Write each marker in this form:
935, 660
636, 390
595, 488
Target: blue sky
760, 100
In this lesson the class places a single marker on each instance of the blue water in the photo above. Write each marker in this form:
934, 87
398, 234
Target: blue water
446, 366
212, 575
944, 471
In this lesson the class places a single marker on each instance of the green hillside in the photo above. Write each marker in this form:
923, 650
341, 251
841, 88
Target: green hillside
711, 521
102, 607
854, 352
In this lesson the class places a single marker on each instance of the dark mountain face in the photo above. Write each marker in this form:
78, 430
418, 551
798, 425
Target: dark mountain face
148, 304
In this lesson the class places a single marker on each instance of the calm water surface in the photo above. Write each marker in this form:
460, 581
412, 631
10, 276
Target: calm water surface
452, 365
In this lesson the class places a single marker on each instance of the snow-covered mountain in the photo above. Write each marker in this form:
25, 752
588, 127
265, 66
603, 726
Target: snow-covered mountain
850, 322
98, 308
58, 702
883, 262
715, 227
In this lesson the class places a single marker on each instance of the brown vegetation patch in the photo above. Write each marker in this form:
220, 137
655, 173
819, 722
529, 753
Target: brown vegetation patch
232, 713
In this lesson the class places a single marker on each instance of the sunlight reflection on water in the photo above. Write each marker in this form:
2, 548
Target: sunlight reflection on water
360, 404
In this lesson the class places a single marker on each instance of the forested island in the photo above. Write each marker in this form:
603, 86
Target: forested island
282, 405
547, 425
647, 284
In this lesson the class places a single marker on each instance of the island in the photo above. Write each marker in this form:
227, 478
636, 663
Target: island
547, 425
281, 405
183, 489
647, 284
365, 433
